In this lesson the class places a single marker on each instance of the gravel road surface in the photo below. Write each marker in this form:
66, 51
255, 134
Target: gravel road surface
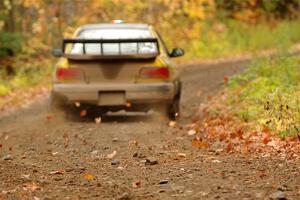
134, 157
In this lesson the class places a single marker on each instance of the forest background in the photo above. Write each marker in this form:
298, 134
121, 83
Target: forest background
206, 29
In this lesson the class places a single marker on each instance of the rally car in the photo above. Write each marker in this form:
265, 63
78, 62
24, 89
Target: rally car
117, 66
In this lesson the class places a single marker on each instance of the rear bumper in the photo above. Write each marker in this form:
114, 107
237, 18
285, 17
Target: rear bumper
133, 93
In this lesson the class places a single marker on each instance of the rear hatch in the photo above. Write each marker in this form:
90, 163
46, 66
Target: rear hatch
111, 71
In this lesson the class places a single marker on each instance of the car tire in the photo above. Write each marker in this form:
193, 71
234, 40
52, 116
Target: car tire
174, 107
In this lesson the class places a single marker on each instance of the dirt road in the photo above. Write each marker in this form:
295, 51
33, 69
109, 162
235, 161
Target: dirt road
137, 157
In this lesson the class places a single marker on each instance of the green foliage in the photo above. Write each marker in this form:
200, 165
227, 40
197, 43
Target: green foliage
253, 10
235, 38
9, 43
282, 112
4, 90
268, 92
27, 73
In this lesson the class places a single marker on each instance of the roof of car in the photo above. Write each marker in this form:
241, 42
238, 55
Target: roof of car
115, 26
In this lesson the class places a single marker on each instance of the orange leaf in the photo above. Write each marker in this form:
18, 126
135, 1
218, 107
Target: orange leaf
199, 143
222, 136
229, 147
248, 142
31, 186
265, 129
83, 113
226, 79
128, 104
49, 117
240, 133
266, 140
88, 177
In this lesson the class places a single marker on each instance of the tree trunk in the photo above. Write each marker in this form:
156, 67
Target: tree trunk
10, 22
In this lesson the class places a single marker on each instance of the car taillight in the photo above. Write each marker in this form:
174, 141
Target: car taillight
67, 73
154, 72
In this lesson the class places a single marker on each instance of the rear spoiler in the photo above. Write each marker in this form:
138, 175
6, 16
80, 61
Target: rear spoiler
102, 55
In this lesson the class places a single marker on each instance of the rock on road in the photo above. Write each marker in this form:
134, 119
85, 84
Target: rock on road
134, 157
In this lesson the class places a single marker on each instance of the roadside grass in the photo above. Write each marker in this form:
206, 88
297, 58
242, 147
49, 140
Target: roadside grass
235, 38
268, 93
27, 72
31, 66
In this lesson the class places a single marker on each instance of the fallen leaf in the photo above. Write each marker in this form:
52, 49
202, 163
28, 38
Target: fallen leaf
128, 104
31, 186
83, 113
229, 147
265, 129
199, 143
77, 104
49, 117
191, 132
181, 155
88, 177
226, 79
205, 125
172, 123
262, 175
25, 176
112, 155
98, 120
266, 140
222, 136
60, 171
248, 142
134, 142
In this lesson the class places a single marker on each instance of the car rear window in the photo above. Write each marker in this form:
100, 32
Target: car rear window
115, 48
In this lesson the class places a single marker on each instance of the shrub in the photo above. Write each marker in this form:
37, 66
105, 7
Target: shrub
269, 92
10, 43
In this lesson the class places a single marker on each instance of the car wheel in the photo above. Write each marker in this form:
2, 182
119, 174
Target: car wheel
174, 109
